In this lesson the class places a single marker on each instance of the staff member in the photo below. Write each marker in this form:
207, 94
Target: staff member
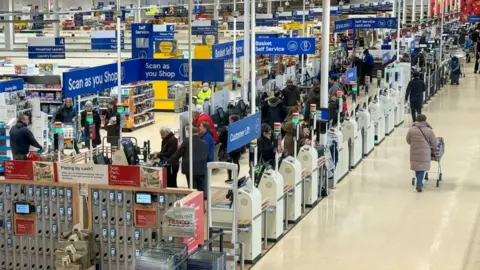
21, 138
96, 121
368, 64
206, 93
66, 115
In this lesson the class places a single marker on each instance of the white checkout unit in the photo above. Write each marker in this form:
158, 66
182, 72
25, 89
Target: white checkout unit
401, 82
291, 170
271, 186
375, 108
308, 157
366, 126
388, 103
354, 139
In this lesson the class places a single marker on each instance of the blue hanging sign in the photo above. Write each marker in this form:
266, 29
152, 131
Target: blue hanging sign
11, 85
141, 33
473, 19
375, 23
244, 131
385, 58
266, 20
204, 28
258, 36
38, 25
343, 25
78, 19
240, 25
106, 40
46, 48
89, 80
285, 46
225, 50
351, 75
100, 5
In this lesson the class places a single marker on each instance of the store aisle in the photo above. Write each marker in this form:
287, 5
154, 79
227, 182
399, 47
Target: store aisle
375, 220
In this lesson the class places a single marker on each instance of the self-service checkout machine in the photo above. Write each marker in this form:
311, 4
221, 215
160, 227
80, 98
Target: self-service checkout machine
240, 213
365, 122
271, 185
377, 113
291, 170
388, 104
352, 135
342, 167
402, 78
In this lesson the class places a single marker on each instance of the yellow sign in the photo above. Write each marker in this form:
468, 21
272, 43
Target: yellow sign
166, 47
152, 11
209, 40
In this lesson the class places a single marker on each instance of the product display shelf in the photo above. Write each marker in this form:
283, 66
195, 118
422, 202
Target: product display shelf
139, 99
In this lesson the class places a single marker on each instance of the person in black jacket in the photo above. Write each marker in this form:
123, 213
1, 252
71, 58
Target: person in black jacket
266, 151
415, 90
66, 115
291, 94
21, 138
235, 155
169, 147
313, 98
477, 54
112, 123
275, 110
333, 108
96, 121
199, 161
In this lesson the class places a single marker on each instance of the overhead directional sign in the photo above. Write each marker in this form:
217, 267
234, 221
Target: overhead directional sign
141, 34
88, 80
351, 75
204, 27
365, 23
225, 50
46, 48
244, 131
285, 46
106, 40
11, 85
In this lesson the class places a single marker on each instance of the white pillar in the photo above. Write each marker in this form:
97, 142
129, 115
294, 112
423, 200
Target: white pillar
190, 94
429, 9
138, 13
422, 10
216, 10
302, 64
246, 49
253, 80
325, 66
442, 18
414, 12
404, 15
399, 22
269, 7
56, 25
8, 27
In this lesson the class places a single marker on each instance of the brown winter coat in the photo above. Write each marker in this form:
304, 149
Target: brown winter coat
288, 143
420, 151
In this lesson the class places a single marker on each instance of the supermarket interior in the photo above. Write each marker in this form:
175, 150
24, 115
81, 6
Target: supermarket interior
213, 134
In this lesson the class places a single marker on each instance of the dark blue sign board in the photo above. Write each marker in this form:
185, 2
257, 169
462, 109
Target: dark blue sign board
268, 35
351, 75
205, 30
240, 25
473, 19
343, 25
266, 22
141, 33
244, 131
78, 19
89, 80
285, 46
108, 43
11, 85
365, 23
385, 58
55, 51
38, 25
225, 50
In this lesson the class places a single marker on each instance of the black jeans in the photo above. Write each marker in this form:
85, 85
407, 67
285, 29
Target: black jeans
19, 157
198, 183
415, 110
477, 57
235, 160
172, 172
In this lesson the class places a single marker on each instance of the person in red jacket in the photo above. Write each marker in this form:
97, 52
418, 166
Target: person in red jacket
199, 117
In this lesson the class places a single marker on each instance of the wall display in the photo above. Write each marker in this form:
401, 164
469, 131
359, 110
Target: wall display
127, 220
46, 48
32, 217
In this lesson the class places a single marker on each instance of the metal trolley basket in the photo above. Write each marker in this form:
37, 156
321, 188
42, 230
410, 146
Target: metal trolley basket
436, 156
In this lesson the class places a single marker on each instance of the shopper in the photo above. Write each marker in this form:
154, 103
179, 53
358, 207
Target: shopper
291, 94
415, 89
204, 94
199, 161
21, 138
335, 86
333, 108
275, 109
368, 64
113, 123
266, 149
313, 97
199, 117
477, 54
207, 137
235, 155
169, 147
67, 115
455, 70
86, 125
422, 140
289, 129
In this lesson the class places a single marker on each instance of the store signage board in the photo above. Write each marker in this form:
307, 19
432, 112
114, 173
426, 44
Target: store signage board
119, 175
106, 40
78, 19
83, 173
351, 75
204, 27
89, 80
11, 85
244, 131
343, 25
141, 33
46, 48
267, 35
365, 23
225, 50
38, 25
240, 25
196, 200
385, 58
285, 46
473, 19
18, 170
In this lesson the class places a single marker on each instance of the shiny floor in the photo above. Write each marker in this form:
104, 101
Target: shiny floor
374, 219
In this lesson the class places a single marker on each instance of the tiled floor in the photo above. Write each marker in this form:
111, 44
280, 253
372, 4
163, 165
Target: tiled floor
374, 219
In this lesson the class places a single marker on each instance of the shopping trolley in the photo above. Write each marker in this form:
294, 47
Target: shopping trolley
436, 156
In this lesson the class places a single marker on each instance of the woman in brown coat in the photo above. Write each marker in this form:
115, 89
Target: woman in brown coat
288, 127
421, 139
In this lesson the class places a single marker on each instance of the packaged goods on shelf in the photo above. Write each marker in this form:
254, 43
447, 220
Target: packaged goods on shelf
139, 98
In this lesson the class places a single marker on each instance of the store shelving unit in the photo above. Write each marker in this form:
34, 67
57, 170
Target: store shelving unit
139, 99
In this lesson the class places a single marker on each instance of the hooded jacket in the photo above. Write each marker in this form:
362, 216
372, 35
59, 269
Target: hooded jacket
21, 138
415, 90
200, 156
313, 98
276, 111
291, 95
420, 145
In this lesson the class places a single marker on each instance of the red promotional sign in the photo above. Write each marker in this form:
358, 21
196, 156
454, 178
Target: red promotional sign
124, 175
25, 227
196, 200
18, 170
146, 218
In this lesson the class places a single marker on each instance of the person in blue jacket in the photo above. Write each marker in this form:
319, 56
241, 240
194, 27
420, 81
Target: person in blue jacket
368, 64
207, 137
